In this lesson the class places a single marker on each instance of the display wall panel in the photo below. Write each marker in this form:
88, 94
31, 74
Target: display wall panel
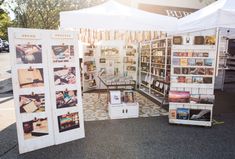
47, 89
193, 71
65, 87
31, 89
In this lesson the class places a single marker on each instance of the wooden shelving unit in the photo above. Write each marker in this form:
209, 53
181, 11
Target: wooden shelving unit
154, 68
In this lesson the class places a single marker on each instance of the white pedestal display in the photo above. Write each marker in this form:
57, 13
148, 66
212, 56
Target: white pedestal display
123, 110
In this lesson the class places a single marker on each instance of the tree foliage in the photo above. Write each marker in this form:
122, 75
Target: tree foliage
44, 14
5, 22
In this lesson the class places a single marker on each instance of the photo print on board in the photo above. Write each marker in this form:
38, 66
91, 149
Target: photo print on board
63, 53
28, 54
29, 78
35, 128
64, 75
68, 122
66, 98
32, 103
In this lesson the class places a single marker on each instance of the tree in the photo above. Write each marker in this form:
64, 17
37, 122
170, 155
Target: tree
44, 14
5, 22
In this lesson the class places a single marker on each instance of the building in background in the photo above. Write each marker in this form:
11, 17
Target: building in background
175, 8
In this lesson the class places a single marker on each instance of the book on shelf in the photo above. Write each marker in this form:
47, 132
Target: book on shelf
191, 62
188, 80
201, 71
177, 70
181, 79
209, 71
198, 80
207, 80
183, 62
176, 61
199, 62
208, 62
185, 71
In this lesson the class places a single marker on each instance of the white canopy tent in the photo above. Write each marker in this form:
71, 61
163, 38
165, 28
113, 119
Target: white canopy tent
219, 14
114, 16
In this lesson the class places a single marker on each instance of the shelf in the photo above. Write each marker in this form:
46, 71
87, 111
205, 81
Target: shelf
194, 66
158, 63
194, 47
189, 75
145, 62
187, 57
144, 85
144, 72
157, 91
159, 56
190, 122
157, 76
158, 68
191, 85
155, 48
192, 104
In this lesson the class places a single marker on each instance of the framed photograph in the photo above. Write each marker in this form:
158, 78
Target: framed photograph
208, 62
35, 128
29, 78
185, 71
63, 53
201, 71
179, 96
115, 97
176, 54
207, 99
128, 97
32, 103
205, 54
209, 71
131, 68
193, 71
64, 75
198, 80
66, 99
176, 61
181, 79
177, 40
89, 53
102, 60
89, 66
172, 114
188, 80
68, 121
177, 70
200, 114
191, 62
210, 40
194, 98
183, 62
182, 113
199, 62
207, 80
28, 54
199, 40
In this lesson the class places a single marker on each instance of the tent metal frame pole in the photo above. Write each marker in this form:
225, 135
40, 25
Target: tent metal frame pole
217, 51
